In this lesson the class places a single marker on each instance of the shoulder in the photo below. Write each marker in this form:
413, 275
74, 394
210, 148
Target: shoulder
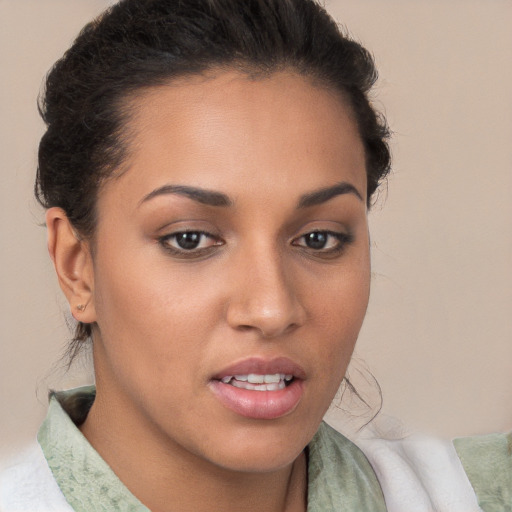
339, 472
487, 461
27, 485
419, 473
335, 448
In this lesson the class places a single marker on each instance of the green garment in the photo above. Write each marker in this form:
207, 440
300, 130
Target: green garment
89, 485
487, 461
340, 479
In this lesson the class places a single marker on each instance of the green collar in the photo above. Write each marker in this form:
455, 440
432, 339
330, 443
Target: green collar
339, 476
85, 479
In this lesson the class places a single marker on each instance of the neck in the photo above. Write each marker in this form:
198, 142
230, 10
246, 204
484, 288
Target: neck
166, 477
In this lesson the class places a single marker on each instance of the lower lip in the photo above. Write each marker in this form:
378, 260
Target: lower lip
261, 405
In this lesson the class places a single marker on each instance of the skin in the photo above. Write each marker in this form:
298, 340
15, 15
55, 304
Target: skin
166, 321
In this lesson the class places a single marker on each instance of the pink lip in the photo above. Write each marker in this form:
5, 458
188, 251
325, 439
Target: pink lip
265, 405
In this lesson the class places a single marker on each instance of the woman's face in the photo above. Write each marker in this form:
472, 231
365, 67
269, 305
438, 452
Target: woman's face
231, 267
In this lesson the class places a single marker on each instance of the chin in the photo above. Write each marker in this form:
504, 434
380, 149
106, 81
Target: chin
264, 460
263, 447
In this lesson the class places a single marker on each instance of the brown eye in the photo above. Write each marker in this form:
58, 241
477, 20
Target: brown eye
189, 240
316, 240
324, 242
192, 242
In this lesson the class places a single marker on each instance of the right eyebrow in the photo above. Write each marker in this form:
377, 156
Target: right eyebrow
201, 195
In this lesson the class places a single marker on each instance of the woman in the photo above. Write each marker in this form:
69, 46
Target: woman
207, 170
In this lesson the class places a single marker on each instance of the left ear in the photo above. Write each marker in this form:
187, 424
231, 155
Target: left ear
72, 259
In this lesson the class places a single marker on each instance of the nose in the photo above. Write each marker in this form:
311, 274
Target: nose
264, 295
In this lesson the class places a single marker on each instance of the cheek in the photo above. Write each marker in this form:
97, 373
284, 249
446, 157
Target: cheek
137, 289
135, 320
340, 315
148, 311
340, 312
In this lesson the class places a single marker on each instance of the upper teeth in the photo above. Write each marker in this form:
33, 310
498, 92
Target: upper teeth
255, 378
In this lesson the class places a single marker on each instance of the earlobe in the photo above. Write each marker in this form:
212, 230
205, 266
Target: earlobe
71, 257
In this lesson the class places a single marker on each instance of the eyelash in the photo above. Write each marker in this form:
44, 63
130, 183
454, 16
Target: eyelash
193, 252
342, 241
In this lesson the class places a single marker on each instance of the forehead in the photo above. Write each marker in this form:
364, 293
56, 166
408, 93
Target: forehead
231, 131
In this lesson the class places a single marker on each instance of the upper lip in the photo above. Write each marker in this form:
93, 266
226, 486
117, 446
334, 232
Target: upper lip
263, 366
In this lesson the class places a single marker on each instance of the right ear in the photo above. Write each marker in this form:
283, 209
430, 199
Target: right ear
72, 259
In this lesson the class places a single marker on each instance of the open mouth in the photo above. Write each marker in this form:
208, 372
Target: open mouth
259, 382
260, 389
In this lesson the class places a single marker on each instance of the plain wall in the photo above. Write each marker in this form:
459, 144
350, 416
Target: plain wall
438, 334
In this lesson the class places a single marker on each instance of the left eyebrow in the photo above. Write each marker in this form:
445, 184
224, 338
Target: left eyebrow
201, 195
323, 195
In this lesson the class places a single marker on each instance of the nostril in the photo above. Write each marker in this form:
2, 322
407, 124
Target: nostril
245, 328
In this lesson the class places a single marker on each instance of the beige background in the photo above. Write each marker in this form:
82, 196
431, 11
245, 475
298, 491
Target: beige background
438, 335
